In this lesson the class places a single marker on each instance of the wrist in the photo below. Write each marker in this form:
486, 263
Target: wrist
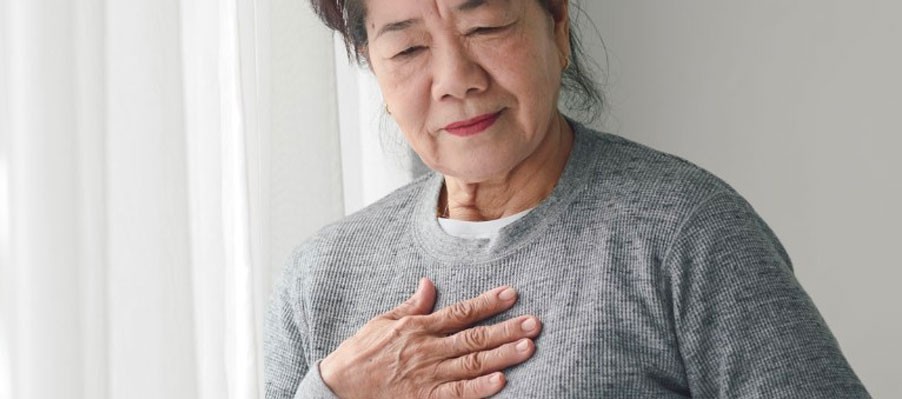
328, 374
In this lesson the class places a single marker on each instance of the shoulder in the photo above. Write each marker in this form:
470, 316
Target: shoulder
693, 207
388, 213
640, 189
377, 222
646, 173
642, 182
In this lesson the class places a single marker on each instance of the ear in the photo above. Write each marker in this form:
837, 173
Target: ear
560, 15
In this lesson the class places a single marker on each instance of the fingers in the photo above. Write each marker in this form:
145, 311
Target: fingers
487, 337
420, 303
481, 363
481, 387
464, 314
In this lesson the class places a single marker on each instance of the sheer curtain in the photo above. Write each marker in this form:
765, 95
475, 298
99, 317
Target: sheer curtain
158, 161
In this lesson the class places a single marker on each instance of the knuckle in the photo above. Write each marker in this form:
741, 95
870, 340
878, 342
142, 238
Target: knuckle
395, 332
400, 310
402, 327
457, 390
410, 303
472, 363
510, 329
386, 317
500, 355
393, 314
487, 300
461, 311
474, 338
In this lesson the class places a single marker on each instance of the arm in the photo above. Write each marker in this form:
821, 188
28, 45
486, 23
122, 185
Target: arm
745, 326
407, 352
286, 372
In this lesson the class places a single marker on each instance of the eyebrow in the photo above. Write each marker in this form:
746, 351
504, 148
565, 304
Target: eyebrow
467, 5
471, 4
395, 27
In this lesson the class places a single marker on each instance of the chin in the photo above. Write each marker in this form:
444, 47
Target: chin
478, 165
475, 174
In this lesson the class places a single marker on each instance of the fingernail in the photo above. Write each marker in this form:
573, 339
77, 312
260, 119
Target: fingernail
529, 325
523, 346
495, 379
507, 294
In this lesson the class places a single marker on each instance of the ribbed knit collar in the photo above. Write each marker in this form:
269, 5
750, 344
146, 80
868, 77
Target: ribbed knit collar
446, 248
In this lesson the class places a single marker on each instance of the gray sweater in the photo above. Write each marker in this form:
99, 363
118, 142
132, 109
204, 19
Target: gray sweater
652, 277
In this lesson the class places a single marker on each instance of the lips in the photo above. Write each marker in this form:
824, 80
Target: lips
474, 126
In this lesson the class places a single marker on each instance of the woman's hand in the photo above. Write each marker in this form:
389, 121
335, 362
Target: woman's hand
412, 353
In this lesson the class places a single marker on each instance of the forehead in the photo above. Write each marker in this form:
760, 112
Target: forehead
404, 13
440, 5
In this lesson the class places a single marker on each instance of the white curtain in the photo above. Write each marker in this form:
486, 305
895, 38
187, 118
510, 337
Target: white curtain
158, 161
375, 158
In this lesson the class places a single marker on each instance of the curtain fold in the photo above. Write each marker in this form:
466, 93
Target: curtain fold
217, 132
240, 332
202, 93
40, 174
149, 193
152, 345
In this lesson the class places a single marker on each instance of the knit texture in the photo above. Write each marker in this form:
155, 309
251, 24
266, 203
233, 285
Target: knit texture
652, 277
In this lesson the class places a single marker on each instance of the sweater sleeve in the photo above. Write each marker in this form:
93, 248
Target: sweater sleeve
287, 373
745, 327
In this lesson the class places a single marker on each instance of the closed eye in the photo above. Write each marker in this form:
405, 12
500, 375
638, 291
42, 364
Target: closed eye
409, 52
487, 30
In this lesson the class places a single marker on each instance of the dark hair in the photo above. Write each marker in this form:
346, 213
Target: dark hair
579, 90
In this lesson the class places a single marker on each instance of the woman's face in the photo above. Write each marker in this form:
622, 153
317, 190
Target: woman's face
473, 84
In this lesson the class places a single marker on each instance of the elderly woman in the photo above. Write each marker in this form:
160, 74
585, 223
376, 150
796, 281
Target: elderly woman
553, 261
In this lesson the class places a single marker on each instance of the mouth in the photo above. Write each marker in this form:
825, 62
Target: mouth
474, 126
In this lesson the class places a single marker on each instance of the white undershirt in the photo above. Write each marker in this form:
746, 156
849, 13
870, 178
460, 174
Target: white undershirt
478, 230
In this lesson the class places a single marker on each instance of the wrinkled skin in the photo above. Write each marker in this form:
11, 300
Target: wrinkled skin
412, 353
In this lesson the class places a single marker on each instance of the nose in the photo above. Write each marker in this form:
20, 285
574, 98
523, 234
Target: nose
456, 74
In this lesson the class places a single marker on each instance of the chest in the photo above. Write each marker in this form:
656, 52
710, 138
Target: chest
607, 330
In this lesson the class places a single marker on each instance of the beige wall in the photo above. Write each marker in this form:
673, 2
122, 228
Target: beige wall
797, 105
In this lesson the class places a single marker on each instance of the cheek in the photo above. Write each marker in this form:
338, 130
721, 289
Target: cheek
529, 73
526, 56
407, 95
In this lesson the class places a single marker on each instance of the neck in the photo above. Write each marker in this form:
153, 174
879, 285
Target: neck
521, 188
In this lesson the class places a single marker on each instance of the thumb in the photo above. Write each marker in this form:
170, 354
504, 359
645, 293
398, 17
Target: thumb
421, 303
